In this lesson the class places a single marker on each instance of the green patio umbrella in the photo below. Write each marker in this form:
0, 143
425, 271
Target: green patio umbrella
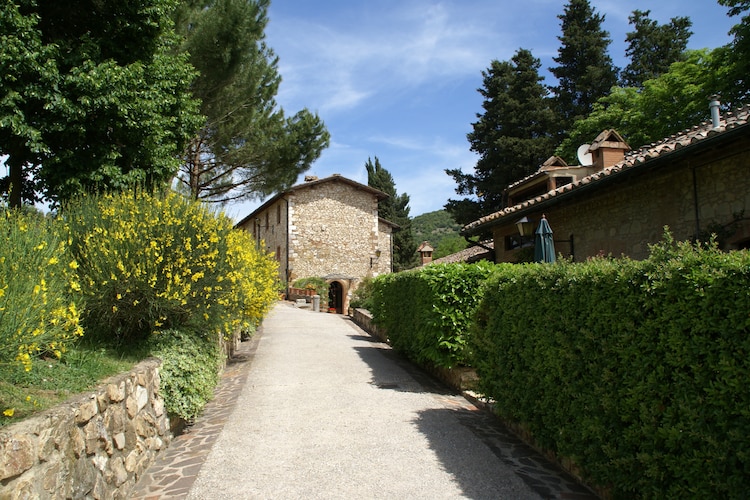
544, 245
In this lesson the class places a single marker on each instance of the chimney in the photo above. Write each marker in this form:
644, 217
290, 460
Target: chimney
425, 253
714, 105
607, 149
311, 178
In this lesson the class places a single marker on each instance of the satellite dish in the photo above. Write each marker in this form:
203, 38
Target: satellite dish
584, 156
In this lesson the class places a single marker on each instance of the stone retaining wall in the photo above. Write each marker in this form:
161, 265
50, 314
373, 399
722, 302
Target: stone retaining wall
363, 319
96, 445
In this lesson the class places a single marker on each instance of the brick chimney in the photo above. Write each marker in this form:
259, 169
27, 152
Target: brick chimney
425, 252
607, 149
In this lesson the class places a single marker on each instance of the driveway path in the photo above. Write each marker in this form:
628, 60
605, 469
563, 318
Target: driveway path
315, 408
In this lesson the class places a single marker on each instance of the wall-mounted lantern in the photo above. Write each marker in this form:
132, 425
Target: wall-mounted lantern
374, 260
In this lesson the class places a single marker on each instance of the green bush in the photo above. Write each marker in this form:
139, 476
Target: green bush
362, 295
189, 371
426, 312
638, 371
38, 316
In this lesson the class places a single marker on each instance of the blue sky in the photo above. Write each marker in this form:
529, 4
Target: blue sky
398, 79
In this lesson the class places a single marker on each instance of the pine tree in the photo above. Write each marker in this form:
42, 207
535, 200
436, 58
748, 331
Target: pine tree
394, 209
585, 71
247, 148
512, 137
653, 48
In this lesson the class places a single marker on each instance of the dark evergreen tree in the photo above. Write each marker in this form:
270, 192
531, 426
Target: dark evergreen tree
585, 71
394, 209
513, 136
247, 148
652, 48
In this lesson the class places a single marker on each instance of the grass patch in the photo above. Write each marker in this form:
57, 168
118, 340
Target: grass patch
52, 381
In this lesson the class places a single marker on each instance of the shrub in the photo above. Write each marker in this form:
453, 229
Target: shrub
189, 371
254, 279
150, 263
426, 312
636, 370
362, 295
37, 314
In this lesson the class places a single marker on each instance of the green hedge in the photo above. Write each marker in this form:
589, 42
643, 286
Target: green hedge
638, 371
426, 312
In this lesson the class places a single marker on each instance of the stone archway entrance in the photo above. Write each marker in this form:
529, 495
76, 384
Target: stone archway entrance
336, 297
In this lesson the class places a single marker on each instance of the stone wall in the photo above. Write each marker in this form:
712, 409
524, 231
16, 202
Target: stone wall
334, 230
96, 445
363, 319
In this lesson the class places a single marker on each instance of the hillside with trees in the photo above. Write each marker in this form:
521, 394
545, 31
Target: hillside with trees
440, 230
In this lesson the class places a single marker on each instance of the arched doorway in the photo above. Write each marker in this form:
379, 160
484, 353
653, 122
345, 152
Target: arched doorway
336, 297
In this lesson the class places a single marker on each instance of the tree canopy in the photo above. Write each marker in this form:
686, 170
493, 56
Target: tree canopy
247, 147
394, 209
584, 70
665, 105
652, 48
513, 136
94, 97
664, 89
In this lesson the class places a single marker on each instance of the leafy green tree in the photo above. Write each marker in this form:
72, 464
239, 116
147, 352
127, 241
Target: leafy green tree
94, 97
513, 136
733, 61
394, 209
247, 148
652, 48
665, 105
584, 70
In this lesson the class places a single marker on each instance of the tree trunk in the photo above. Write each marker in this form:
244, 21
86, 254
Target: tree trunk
16, 184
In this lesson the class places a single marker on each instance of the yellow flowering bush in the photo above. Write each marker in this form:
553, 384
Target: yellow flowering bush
253, 278
149, 263
37, 314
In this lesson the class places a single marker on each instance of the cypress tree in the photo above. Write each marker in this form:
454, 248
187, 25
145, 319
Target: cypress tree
394, 209
512, 137
652, 48
585, 71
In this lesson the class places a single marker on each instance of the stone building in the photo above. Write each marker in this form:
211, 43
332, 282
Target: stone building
327, 228
618, 201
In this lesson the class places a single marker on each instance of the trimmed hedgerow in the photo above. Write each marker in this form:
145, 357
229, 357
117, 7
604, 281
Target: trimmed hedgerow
426, 312
638, 371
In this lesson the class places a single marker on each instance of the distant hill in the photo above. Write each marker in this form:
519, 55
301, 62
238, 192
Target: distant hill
440, 230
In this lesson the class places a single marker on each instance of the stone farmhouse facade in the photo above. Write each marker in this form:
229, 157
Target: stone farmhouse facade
327, 228
695, 182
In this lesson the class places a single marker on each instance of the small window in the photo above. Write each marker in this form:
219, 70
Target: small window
512, 242
278, 214
562, 181
267, 224
278, 253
